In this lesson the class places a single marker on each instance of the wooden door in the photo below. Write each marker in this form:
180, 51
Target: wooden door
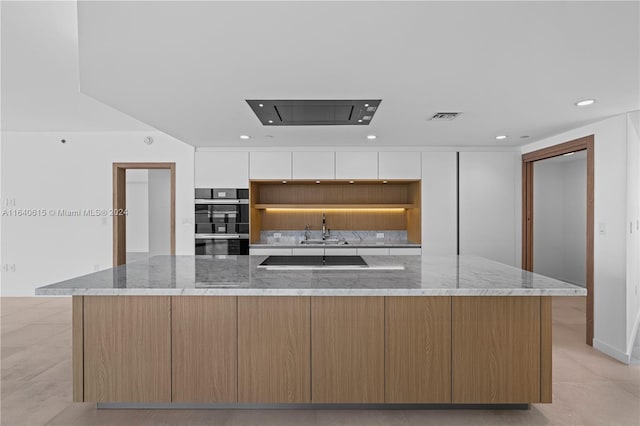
418, 349
347, 349
274, 350
204, 349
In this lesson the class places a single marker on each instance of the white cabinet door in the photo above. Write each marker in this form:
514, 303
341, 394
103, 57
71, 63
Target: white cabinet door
270, 165
405, 251
270, 251
220, 169
399, 165
308, 251
314, 165
488, 183
356, 165
439, 204
340, 251
373, 251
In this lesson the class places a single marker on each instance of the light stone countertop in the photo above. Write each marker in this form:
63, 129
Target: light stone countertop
239, 276
350, 244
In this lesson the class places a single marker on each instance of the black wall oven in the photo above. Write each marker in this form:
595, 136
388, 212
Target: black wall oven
222, 221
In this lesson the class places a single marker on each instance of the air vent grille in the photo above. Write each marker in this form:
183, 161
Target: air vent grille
444, 116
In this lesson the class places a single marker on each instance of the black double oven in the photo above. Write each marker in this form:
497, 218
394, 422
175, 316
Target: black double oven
222, 221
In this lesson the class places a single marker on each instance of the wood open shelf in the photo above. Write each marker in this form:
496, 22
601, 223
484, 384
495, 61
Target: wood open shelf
365, 205
334, 206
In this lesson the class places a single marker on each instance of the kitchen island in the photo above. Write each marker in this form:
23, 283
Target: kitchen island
214, 331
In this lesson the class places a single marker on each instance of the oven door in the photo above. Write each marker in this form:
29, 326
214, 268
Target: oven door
215, 244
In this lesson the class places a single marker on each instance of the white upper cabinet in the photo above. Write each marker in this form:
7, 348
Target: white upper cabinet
314, 165
488, 182
356, 165
399, 165
219, 169
439, 204
270, 165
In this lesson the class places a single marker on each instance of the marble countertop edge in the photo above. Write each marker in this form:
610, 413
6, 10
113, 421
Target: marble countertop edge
233, 291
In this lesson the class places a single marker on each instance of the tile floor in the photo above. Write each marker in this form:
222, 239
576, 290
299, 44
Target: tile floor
588, 388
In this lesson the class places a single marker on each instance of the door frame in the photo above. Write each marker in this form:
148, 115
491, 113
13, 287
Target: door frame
120, 204
528, 160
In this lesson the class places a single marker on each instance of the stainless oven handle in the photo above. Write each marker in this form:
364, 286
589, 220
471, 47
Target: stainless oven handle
221, 201
221, 236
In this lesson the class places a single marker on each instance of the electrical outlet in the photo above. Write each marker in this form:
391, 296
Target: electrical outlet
277, 235
602, 228
379, 234
9, 267
96, 267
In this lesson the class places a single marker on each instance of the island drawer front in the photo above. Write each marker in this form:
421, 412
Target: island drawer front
274, 354
496, 349
204, 349
418, 349
127, 349
347, 361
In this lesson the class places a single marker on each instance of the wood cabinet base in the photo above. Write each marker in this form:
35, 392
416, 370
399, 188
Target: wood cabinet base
301, 350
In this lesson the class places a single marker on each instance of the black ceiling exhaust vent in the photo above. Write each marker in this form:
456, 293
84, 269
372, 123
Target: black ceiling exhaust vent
325, 112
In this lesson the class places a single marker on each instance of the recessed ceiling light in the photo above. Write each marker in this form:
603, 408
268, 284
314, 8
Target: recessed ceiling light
317, 181
371, 137
366, 105
351, 181
586, 102
284, 181
270, 121
568, 154
245, 137
359, 121
260, 105
501, 137
385, 181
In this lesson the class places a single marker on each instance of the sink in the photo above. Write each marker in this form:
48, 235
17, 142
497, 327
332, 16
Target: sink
327, 242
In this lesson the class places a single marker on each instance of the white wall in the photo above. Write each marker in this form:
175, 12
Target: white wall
42, 173
137, 211
560, 219
610, 281
159, 212
633, 220
547, 219
489, 214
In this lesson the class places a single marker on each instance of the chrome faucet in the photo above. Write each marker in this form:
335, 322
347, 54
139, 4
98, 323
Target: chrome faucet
306, 232
325, 233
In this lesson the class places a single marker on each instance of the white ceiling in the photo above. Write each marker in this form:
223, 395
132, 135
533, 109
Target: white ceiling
512, 68
186, 67
40, 88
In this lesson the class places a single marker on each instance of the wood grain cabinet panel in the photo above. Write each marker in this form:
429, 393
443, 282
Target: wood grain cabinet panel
274, 350
347, 349
418, 350
496, 349
204, 349
127, 349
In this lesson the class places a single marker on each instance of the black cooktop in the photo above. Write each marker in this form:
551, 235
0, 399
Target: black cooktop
314, 261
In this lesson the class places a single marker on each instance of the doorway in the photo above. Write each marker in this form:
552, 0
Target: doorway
152, 203
528, 161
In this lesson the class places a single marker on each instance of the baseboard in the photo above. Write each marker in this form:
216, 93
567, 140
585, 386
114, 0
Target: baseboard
634, 333
611, 351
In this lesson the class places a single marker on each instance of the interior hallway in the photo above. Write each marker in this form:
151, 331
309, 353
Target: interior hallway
589, 388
